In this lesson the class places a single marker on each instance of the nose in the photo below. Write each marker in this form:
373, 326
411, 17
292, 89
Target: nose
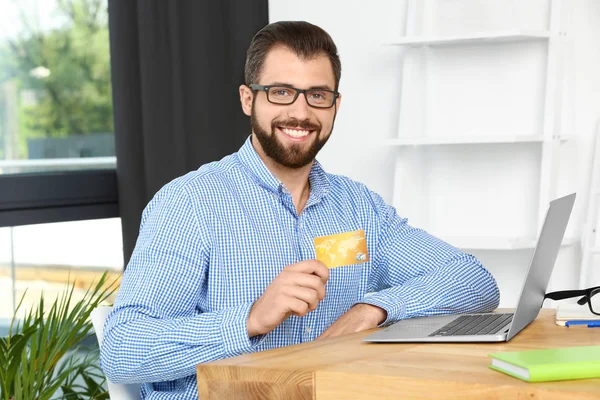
300, 108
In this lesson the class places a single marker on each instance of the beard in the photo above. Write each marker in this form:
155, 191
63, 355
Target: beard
295, 156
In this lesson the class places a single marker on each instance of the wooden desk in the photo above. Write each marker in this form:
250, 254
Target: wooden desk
346, 368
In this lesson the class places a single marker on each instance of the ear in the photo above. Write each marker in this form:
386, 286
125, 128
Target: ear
338, 101
246, 96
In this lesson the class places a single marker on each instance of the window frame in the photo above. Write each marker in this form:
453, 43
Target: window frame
58, 196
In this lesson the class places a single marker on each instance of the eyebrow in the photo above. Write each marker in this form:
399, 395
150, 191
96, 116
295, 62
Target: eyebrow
319, 87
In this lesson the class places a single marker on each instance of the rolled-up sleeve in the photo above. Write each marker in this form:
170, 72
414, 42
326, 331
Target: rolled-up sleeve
415, 274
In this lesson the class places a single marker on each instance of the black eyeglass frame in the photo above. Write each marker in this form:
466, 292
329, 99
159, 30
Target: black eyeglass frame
265, 88
586, 293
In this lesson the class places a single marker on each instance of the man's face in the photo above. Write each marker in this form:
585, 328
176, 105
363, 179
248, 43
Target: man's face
293, 134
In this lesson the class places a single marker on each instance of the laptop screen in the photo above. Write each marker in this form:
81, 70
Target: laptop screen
542, 263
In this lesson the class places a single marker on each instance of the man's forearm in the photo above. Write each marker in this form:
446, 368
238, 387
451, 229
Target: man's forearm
359, 318
372, 315
461, 286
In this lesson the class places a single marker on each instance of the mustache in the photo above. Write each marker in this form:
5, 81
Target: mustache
296, 123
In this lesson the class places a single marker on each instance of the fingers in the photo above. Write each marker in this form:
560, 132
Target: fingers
306, 281
298, 307
297, 290
307, 295
315, 267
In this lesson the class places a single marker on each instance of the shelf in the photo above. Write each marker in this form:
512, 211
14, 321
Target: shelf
441, 140
496, 243
480, 37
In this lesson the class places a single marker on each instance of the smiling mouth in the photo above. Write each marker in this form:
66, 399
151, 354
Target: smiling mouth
296, 133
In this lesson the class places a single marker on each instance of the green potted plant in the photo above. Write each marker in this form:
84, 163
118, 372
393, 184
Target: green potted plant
43, 357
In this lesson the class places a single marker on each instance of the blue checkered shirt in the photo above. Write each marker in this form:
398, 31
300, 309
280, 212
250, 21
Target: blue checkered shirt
211, 241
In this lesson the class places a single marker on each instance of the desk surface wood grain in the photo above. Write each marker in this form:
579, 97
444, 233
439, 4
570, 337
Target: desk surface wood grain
347, 368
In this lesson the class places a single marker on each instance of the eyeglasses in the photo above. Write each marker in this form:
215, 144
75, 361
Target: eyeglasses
285, 95
591, 296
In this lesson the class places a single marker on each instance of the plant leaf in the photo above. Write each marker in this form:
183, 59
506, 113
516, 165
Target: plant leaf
38, 358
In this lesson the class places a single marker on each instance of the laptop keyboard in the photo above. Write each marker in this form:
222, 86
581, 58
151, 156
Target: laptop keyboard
484, 324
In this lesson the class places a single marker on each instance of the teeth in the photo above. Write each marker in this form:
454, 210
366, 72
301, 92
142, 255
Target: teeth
297, 133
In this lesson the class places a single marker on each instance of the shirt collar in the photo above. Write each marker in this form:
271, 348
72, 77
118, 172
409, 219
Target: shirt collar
249, 158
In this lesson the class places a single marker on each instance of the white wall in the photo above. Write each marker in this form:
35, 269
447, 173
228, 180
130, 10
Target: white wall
499, 195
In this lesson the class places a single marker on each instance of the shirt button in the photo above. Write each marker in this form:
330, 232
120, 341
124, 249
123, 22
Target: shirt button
300, 224
308, 330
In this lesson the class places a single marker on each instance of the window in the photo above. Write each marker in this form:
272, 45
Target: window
57, 152
46, 257
55, 89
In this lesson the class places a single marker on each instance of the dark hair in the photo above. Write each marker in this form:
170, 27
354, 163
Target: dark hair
304, 39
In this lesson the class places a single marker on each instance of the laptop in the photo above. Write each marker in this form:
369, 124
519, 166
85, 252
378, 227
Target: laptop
494, 326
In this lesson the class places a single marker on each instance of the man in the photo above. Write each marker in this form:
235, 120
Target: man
225, 260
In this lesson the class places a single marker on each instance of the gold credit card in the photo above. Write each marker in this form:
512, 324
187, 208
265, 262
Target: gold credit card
342, 249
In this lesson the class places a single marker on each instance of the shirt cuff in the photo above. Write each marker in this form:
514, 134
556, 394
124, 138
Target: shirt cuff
232, 322
395, 308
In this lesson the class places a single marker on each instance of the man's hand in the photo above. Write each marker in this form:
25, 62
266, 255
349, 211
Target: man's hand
359, 318
297, 290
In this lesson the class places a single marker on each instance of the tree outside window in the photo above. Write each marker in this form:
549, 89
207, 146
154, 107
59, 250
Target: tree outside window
55, 88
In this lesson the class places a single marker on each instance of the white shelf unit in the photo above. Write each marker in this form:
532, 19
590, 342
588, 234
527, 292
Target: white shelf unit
452, 140
415, 147
496, 243
589, 240
477, 38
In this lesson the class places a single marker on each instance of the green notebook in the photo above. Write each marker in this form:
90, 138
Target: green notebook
549, 364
